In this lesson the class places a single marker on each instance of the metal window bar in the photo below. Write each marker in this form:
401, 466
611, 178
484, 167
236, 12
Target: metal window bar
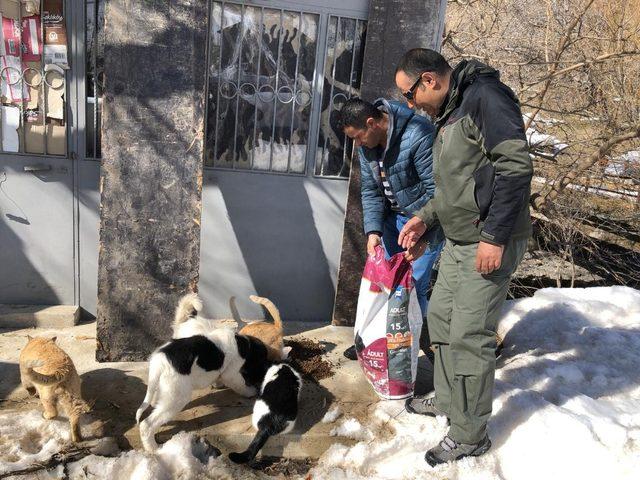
257, 88
239, 41
333, 79
347, 143
18, 80
215, 137
88, 32
295, 90
93, 95
325, 65
94, 77
275, 96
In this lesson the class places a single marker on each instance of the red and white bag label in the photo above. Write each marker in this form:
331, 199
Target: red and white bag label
31, 38
388, 325
10, 33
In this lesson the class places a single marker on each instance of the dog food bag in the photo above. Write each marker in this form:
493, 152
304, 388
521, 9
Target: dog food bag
388, 324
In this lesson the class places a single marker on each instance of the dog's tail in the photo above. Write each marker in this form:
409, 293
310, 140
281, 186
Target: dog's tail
188, 306
234, 311
41, 378
271, 308
252, 450
76, 404
152, 388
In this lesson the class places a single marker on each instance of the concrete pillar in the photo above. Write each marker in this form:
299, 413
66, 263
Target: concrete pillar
394, 26
151, 180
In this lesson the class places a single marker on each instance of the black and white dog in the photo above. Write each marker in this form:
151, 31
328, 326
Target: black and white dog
199, 357
276, 409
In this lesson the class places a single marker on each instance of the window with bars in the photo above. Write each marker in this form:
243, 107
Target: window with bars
33, 76
266, 111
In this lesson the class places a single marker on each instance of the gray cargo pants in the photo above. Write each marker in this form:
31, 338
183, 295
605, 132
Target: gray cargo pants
462, 315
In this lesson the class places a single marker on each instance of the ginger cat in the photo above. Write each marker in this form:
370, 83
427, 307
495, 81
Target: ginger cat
56, 380
270, 333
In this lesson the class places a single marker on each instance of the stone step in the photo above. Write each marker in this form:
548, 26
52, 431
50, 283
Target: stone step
42, 316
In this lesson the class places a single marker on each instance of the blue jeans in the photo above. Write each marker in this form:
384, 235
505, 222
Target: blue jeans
422, 267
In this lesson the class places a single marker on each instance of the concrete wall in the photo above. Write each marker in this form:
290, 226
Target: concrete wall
285, 246
36, 231
88, 230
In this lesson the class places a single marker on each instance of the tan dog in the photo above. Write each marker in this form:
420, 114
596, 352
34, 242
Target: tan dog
56, 380
270, 333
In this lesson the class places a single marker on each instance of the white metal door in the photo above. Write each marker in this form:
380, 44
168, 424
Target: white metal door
37, 251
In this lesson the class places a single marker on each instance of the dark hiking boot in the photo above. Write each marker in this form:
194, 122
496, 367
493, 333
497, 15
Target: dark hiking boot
350, 353
448, 450
423, 405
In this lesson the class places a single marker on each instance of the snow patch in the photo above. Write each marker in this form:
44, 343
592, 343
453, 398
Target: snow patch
351, 428
26, 438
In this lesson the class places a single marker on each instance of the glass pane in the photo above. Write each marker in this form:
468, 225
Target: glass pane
266, 87
343, 68
260, 87
327, 95
305, 47
33, 116
284, 101
227, 84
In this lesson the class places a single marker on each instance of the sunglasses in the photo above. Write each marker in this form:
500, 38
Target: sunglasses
409, 93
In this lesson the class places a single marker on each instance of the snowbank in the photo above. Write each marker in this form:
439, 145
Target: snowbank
566, 403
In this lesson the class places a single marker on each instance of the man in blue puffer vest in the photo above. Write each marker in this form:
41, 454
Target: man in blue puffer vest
394, 146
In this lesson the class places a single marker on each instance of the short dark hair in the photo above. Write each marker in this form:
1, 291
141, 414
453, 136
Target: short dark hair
355, 112
419, 60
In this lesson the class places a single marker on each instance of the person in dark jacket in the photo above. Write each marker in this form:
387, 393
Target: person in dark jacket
394, 148
482, 172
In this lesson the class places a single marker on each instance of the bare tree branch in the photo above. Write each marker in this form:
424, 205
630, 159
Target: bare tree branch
539, 202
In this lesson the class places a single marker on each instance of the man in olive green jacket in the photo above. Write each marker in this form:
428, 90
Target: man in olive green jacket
482, 173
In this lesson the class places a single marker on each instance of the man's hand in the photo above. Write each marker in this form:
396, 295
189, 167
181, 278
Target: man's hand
489, 257
411, 233
372, 242
416, 251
